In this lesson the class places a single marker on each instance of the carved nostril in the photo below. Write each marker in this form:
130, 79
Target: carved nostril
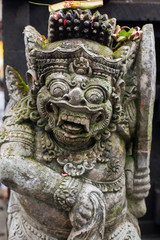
49, 107
99, 117
66, 97
83, 102
75, 97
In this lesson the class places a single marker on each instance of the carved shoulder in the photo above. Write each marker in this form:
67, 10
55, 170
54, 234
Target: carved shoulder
16, 139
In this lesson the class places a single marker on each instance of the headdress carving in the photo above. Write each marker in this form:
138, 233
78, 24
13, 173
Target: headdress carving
81, 24
81, 54
78, 57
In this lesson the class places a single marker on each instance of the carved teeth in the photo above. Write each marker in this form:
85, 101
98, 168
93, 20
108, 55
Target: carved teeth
70, 119
61, 118
87, 125
64, 117
74, 119
78, 120
85, 122
60, 121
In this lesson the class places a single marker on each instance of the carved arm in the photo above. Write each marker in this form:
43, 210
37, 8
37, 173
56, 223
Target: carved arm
27, 176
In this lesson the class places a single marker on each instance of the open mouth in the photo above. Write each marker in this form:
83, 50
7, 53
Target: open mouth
74, 125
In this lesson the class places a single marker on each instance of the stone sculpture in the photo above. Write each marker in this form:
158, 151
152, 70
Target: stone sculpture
75, 142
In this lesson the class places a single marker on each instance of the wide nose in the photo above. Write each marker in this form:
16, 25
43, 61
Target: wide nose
75, 97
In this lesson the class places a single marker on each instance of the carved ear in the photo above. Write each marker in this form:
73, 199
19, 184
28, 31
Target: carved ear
32, 38
17, 88
33, 41
120, 87
31, 76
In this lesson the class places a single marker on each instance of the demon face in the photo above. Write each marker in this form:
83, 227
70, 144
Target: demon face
76, 107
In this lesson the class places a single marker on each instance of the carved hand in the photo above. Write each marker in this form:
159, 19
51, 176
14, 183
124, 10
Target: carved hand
141, 184
88, 214
82, 212
137, 180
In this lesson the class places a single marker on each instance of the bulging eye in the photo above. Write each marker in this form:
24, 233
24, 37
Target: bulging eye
94, 96
58, 89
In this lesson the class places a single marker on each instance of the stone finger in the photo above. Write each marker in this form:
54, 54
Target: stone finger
142, 181
80, 220
139, 196
141, 189
85, 213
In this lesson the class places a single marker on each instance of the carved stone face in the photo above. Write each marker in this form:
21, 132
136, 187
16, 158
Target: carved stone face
76, 107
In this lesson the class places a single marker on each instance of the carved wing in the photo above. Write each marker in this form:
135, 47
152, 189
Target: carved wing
146, 65
15, 84
17, 88
139, 95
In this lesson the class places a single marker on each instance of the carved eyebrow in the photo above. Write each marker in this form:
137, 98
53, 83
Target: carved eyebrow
100, 78
56, 80
106, 91
99, 81
56, 76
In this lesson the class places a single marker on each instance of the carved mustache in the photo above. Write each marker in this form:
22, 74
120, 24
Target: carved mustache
84, 109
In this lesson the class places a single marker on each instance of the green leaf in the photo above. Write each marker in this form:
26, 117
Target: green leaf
130, 31
122, 39
116, 48
123, 33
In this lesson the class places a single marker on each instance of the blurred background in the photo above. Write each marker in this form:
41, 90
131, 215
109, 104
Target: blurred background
15, 15
3, 189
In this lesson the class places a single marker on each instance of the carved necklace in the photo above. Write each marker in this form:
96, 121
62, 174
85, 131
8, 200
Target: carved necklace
75, 163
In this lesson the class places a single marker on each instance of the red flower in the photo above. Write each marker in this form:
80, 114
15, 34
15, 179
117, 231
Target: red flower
92, 18
81, 16
40, 38
64, 174
65, 22
56, 16
68, 4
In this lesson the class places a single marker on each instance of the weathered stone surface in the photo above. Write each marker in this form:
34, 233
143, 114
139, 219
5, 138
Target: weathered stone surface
75, 142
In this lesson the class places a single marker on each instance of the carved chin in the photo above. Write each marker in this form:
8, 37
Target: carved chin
71, 140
